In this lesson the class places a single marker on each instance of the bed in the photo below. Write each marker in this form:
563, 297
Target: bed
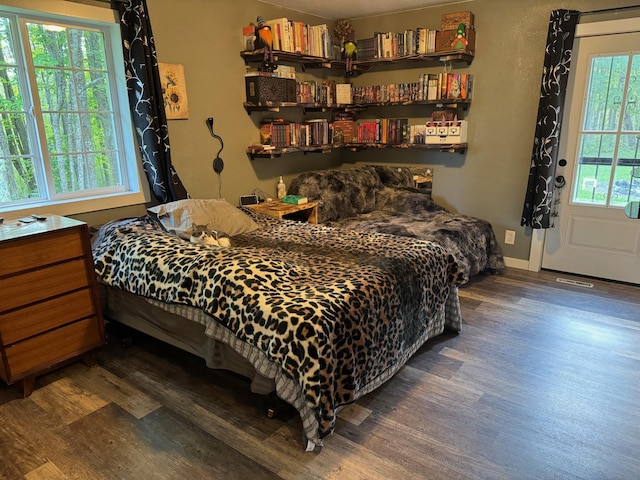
320, 315
383, 199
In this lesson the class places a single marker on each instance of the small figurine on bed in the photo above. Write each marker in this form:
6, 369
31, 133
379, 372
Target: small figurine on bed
206, 236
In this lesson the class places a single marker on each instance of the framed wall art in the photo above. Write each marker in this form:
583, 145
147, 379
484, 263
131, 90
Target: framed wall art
174, 91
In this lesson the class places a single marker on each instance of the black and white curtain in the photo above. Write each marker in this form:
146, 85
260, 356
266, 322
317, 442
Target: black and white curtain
146, 101
538, 202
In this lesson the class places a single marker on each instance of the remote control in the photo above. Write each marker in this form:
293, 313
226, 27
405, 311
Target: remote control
26, 220
40, 218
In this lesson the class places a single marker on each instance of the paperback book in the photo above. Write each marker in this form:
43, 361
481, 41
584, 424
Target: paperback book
294, 199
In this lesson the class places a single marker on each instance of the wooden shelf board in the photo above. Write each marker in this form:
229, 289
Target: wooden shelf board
434, 58
262, 152
275, 106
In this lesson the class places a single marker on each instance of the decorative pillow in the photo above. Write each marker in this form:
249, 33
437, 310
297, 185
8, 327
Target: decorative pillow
219, 215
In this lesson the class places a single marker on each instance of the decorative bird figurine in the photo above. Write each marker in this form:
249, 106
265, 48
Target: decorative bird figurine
264, 39
345, 32
350, 49
460, 41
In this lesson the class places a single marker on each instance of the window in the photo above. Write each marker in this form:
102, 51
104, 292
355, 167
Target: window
609, 160
65, 130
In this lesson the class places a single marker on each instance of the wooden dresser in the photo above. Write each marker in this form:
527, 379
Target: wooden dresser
49, 302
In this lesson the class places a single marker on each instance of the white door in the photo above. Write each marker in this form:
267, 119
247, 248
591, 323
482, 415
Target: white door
601, 143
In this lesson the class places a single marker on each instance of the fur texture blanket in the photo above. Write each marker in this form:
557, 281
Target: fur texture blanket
382, 199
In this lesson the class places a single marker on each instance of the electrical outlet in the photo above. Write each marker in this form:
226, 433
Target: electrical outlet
510, 237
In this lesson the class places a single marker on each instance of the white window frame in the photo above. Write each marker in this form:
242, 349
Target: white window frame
136, 192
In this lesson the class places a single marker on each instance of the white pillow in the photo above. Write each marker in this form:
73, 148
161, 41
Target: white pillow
219, 215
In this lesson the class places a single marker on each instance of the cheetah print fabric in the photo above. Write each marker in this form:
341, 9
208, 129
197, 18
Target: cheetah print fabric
334, 308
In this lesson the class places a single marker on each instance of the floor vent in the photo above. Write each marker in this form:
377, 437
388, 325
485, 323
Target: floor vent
577, 283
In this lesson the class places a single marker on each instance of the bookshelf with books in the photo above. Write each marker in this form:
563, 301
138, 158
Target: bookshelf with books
449, 91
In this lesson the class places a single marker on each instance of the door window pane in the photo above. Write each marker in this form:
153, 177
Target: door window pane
594, 168
604, 98
608, 157
631, 119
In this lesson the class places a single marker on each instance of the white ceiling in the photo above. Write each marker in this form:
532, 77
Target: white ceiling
338, 9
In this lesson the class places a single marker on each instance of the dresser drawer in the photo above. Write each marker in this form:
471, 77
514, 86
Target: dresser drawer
47, 282
40, 317
51, 348
39, 250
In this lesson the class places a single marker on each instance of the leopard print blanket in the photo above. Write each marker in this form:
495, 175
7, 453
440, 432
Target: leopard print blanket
334, 308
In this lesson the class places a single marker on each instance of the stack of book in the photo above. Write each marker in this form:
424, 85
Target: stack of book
430, 86
322, 93
410, 42
294, 36
279, 133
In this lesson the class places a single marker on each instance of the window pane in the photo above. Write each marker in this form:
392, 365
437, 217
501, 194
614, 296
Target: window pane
13, 135
594, 169
10, 97
78, 112
93, 91
631, 120
56, 90
18, 172
98, 132
63, 132
17, 179
49, 45
6, 43
606, 87
626, 185
87, 50
69, 173
106, 169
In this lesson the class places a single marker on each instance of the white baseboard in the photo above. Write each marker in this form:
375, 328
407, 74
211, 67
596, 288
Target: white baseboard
517, 263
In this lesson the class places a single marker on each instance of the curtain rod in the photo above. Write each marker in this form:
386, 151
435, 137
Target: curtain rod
605, 10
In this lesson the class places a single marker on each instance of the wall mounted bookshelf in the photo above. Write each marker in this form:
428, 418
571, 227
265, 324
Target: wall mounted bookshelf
450, 59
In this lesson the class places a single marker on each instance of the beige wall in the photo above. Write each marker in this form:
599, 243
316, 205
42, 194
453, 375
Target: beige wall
488, 181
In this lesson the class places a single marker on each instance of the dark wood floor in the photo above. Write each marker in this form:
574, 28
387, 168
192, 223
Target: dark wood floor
543, 382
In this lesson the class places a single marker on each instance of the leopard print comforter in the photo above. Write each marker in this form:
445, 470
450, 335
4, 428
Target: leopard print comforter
334, 308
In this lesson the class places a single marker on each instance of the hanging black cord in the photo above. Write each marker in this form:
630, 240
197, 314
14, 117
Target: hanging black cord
218, 164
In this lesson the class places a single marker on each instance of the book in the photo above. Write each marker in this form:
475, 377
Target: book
343, 131
248, 33
343, 93
294, 199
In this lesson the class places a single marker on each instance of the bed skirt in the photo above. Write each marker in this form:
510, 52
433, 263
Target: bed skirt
192, 330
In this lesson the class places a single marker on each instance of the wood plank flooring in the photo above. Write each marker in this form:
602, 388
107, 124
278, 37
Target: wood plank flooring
542, 383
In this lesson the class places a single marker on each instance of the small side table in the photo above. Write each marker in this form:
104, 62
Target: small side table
305, 212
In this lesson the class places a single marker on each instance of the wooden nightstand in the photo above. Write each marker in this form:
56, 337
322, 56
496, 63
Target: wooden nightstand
49, 301
306, 212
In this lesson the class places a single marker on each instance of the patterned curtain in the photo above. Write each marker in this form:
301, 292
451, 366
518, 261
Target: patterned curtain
146, 101
539, 196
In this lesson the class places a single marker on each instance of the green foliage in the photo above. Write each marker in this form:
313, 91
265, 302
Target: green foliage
71, 78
